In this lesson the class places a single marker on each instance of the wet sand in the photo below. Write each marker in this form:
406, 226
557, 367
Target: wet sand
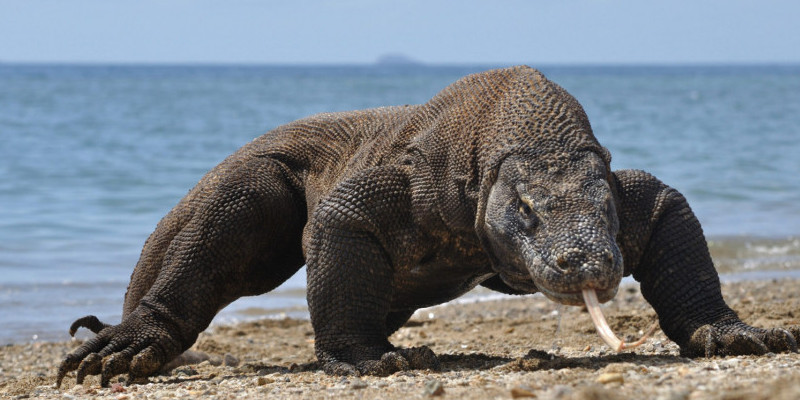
516, 347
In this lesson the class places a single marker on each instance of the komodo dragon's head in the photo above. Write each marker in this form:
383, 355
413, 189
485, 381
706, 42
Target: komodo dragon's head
547, 218
550, 221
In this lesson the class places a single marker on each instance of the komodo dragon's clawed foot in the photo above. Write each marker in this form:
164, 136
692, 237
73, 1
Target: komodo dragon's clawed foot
739, 339
138, 346
391, 362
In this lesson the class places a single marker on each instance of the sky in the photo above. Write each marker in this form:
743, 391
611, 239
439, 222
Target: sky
429, 31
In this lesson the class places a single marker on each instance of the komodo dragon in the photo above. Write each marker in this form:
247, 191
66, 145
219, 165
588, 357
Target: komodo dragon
496, 181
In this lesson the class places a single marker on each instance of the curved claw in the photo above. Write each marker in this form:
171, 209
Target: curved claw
794, 330
91, 365
741, 343
116, 364
70, 363
90, 322
340, 368
781, 340
146, 363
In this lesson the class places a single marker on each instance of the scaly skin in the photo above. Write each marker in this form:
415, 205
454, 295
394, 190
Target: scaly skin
498, 180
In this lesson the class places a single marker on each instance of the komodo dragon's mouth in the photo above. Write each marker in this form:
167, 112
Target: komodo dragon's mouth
605, 332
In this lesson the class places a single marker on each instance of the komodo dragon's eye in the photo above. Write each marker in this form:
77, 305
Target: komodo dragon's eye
525, 210
527, 216
525, 205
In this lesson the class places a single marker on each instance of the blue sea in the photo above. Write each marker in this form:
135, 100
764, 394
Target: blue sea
91, 157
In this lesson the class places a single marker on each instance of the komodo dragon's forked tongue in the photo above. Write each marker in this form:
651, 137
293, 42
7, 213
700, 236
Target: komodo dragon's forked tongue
605, 332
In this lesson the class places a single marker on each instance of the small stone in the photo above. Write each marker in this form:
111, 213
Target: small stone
610, 377
520, 392
434, 388
478, 381
230, 360
358, 384
713, 366
619, 367
185, 370
676, 395
732, 363
76, 388
561, 391
263, 380
117, 388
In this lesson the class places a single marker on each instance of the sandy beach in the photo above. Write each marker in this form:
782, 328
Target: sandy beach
520, 347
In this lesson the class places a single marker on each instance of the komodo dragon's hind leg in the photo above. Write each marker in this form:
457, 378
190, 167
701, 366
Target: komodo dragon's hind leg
237, 233
663, 246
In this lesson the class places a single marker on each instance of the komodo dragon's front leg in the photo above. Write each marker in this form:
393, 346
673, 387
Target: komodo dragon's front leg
237, 233
663, 246
349, 243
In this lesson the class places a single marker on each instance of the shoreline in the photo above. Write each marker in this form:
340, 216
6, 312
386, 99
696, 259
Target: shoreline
45, 306
517, 346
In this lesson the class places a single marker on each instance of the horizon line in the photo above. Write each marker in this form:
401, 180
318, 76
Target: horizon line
398, 64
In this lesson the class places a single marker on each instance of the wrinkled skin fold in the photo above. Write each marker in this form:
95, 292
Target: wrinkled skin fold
496, 181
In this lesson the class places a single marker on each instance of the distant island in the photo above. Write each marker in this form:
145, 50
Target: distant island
396, 59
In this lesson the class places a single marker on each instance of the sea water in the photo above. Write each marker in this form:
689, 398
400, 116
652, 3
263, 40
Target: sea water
91, 157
